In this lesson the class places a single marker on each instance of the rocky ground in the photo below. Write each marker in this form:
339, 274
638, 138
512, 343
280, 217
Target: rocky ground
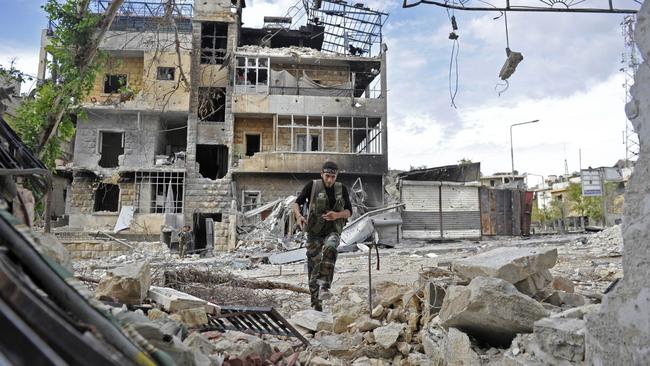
533, 293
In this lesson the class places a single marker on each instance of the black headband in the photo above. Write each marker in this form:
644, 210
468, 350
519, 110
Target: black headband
330, 171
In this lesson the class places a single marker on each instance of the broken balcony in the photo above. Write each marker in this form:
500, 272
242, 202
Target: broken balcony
320, 83
289, 143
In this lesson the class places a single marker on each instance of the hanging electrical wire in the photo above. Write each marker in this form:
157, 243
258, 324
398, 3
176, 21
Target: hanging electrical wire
453, 59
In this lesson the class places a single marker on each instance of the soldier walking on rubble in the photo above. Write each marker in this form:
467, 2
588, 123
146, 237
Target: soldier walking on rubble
185, 240
329, 209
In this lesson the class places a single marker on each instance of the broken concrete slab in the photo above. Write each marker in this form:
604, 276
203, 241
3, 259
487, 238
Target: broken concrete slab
365, 324
197, 341
562, 338
578, 312
337, 345
173, 300
365, 361
126, 284
560, 298
378, 311
239, 344
490, 309
389, 293
563, 284
535, 284
511, 264
457, 349
290, 256
193, 317
387, 335
313, 320
342, 321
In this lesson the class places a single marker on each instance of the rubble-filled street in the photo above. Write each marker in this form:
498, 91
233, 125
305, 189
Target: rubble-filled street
499, 302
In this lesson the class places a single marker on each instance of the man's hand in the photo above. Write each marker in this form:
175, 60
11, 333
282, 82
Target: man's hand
330, 216
301, 222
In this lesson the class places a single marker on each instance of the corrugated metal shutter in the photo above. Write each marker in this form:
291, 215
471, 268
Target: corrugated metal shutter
421, 215
420, 197
461, 215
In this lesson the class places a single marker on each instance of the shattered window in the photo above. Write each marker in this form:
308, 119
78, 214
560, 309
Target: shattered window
250, 200
111, 146
252, 75
214, 42
113, 83
213, 160
107, 198
253, 144
165, 73
212, 105
308, 143
343, 134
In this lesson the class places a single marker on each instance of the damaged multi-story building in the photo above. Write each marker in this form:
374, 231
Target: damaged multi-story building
194, 117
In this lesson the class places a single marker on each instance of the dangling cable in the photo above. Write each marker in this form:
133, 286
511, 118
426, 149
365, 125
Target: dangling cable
453, 59
453, 90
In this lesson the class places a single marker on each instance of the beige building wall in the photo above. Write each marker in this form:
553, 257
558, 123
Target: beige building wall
132, 67
167, 94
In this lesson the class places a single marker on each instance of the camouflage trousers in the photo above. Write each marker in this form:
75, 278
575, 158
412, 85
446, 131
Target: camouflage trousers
321, 257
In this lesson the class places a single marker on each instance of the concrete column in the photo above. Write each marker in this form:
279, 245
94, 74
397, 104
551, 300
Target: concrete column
619, 334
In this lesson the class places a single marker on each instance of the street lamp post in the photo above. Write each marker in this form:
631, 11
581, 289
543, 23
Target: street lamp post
512, 153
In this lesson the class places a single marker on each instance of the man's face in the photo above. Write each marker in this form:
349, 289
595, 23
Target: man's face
328, 178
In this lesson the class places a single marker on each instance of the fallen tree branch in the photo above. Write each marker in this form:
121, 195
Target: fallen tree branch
175, 278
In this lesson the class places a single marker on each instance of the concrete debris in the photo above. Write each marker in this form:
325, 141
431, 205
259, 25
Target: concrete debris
241, 345
365, 324
173, 301
365, 361
562, 284
193, 317
507, 263
377, 311
560, 298
561, 338
535, 284
457, 350
126, 284
490, 309
313, 320
389, 293
50, 246
431, 317
387, 335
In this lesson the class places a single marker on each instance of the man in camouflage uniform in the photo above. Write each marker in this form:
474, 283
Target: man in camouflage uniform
329, 209
185, 240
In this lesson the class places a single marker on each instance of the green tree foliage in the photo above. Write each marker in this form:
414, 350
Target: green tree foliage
584, 206
45, 121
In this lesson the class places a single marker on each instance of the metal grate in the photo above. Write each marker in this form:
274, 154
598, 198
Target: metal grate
262, 320
159, 192
349, 29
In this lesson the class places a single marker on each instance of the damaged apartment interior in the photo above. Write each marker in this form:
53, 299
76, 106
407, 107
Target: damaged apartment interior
196, 117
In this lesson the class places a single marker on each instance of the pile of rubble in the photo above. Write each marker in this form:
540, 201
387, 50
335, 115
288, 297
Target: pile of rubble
501, 306
608, 241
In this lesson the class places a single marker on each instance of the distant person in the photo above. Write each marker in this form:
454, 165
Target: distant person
186, 240
329, 209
